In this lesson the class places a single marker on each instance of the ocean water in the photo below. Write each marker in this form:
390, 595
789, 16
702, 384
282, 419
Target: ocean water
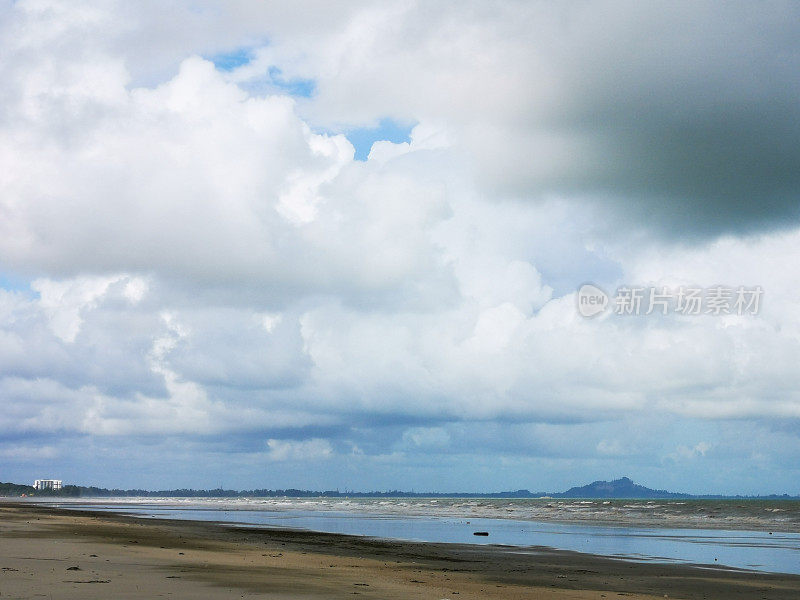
742, 534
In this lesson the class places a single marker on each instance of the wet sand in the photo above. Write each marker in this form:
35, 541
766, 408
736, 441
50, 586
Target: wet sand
61, 554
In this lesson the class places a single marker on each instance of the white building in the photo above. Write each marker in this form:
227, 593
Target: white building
47, 484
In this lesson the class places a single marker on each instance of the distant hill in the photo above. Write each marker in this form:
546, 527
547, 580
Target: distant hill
15, 489
619, 488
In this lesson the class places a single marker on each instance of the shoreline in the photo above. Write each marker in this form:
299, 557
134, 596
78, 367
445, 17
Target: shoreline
709, 522
128, 557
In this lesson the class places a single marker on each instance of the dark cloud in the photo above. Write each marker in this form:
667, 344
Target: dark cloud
681, 116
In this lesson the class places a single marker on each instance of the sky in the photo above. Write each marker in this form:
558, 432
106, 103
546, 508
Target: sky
338, 246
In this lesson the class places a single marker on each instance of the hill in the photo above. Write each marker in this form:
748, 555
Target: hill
619, 488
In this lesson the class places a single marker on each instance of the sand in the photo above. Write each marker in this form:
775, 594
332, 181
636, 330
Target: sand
58, 554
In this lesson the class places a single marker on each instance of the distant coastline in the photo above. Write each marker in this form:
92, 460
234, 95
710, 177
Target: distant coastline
623, 488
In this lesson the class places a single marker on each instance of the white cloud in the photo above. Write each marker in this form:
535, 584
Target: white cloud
611, 448
64, 301
313, 449
426, 437
698, 449
424, 136
27, 453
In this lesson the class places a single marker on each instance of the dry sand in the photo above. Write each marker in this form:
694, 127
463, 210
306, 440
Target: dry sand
58, 554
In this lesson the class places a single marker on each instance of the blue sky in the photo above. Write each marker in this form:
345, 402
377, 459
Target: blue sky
388, 130
228, 61
13, 283
267, 246
361, 138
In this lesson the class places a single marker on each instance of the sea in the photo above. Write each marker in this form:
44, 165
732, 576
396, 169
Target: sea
754, 535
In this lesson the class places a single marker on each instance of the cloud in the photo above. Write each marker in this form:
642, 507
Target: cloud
63, 301
610, 448
313, 449
196, 181
679, 117
426, 437
698, 450
29, 453
205, 266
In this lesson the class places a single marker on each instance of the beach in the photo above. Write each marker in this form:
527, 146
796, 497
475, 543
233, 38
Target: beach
54, 553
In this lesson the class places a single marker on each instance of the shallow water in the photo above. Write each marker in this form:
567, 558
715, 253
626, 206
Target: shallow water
759, 550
